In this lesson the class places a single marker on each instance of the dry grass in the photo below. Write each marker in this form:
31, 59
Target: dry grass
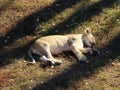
22, 21
11, 12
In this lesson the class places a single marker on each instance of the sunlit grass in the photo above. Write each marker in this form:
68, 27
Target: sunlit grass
105, 79
63, 16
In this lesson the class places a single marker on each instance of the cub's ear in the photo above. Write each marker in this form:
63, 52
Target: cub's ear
88, 30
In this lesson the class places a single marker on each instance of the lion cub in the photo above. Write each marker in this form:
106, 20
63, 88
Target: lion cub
54, 44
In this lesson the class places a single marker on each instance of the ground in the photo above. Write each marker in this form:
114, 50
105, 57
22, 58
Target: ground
23, 21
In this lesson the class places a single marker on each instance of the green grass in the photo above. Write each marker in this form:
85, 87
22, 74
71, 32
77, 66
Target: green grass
23, 21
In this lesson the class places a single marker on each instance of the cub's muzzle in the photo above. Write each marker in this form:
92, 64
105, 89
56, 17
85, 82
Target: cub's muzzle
92, 44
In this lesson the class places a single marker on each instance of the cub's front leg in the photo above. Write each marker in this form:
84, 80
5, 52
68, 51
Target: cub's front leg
86, 50
91, 51
78, 53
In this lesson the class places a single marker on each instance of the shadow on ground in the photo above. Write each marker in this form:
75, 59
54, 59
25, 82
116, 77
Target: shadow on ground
80, 16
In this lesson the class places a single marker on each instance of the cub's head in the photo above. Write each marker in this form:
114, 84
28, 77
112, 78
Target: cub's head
88, 38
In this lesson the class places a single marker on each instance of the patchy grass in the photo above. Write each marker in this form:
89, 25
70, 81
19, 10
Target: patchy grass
104, 80
23, 21
11, 12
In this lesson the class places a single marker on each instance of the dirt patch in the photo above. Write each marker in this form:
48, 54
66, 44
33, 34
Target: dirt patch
4, 79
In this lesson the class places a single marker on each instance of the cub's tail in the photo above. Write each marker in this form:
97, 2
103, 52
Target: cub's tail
31, 57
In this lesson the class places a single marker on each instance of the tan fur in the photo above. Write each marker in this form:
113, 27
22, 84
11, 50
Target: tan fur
54, 44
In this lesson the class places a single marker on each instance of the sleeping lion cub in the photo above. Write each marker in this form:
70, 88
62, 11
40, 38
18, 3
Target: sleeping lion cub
54, 44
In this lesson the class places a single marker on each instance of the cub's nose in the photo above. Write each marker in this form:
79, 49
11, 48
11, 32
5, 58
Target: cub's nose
93, 44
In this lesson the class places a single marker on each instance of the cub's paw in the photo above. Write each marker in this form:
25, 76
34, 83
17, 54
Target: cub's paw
90, 52
31, 63
83, 58
56, 62
96, 52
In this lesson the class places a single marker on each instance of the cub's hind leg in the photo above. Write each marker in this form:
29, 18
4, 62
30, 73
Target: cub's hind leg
46, 54
50, 57
30, 52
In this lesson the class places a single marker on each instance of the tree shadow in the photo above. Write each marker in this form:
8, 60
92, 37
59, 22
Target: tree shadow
80, 16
